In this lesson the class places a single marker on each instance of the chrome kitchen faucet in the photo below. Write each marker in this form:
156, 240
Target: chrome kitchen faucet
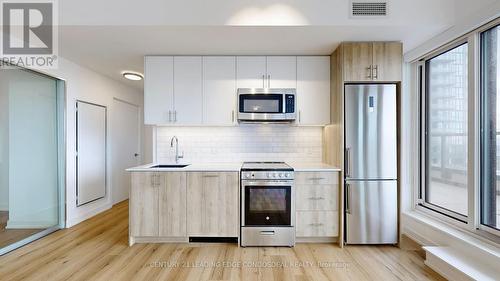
177, 156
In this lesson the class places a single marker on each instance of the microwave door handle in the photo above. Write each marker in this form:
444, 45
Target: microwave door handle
263, 81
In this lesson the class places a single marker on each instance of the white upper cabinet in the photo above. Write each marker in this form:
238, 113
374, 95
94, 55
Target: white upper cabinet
313, 90
188, 108
219, 90
281, 72
196, 90
250, 72
158, 89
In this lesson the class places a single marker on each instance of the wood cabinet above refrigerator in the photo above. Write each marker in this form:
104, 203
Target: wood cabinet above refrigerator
372, 61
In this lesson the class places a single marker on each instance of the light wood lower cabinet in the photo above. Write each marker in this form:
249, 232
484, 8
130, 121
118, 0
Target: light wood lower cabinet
158, 204
317, 224
316, 204
213, 204
144, 205
172, 205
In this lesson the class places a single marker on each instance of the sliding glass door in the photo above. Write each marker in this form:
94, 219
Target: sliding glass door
31, 156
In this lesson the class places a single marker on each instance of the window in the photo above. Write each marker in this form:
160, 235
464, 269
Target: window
490, 128
459, 87
445, 137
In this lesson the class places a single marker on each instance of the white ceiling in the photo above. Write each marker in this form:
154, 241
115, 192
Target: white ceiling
112, 36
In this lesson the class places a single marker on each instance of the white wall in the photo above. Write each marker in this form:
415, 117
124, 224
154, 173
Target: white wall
4, 146
241, 143
86, 85
469, 15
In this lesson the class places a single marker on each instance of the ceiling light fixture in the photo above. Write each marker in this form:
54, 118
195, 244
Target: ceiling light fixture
134, 76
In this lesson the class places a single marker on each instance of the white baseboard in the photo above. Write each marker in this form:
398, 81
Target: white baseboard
76, 220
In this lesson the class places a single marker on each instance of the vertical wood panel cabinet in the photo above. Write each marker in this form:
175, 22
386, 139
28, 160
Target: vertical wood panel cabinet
213, 205
172, 204
316, 204
357, 61
388, 61
313, 90
219, 90
158, 205
372, 61
143, 204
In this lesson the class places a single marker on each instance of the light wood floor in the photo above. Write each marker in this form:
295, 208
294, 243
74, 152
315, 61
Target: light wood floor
97, 250
9, 236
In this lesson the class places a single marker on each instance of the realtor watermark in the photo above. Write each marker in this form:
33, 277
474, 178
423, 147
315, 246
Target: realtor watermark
29, 34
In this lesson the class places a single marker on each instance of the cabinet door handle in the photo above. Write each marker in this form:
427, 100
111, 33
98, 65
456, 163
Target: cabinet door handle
263, 81
317, 198
269, 80
315, 224
210, 176
370, 72
170, 116
375, 71
152, 180
232, 116
299, 116
316, 178
175, 115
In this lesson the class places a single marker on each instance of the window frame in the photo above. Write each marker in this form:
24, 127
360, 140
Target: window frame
472, 222
482, 228
443, 213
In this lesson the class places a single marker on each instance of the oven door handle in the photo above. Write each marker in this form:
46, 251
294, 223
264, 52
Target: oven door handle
266, 183
267, 232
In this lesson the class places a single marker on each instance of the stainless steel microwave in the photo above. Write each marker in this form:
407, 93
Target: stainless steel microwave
266, 105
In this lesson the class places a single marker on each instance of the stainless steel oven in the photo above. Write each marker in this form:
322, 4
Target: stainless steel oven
266, 105
268, 205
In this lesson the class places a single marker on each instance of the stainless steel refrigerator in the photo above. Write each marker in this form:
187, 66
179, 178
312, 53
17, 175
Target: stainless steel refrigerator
371, 164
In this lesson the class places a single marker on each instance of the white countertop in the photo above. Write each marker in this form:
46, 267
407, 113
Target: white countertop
230, 167
195, 167
313, 167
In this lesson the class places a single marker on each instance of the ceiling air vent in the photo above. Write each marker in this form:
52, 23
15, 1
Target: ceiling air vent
368, 9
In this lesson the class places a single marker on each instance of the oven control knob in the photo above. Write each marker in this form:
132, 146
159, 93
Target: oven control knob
287, 175
247, 175
280, 175
269, 175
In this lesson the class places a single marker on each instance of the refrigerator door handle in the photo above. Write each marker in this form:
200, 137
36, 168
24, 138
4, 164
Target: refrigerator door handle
347, 195
348, 162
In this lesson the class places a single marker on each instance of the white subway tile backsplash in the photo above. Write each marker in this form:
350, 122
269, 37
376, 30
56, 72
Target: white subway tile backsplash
241, 143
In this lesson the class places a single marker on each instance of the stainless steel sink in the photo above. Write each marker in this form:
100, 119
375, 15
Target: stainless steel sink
170, 166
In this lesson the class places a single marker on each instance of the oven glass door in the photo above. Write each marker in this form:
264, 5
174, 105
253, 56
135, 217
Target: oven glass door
267, 205
261, 103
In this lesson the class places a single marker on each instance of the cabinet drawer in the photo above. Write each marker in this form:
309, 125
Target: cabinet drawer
316, 177
316, 197
317, 224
